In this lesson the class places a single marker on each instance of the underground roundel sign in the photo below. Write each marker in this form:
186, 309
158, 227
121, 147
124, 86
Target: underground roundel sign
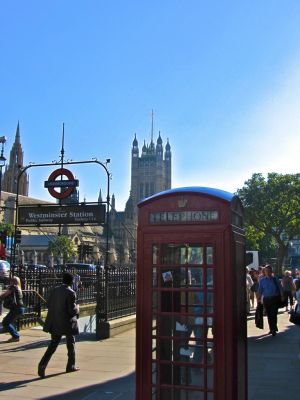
66, 186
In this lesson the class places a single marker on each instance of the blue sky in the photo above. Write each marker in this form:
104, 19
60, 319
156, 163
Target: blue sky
223, 78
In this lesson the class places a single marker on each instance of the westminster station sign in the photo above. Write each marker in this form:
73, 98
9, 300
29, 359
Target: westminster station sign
55, 215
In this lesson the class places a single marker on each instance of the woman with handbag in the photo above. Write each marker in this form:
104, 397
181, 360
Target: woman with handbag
13, 300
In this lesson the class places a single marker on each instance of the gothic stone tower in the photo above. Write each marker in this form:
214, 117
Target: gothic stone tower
10, 176
151, 172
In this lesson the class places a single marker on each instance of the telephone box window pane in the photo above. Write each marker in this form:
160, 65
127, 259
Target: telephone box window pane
195, 255
166, 325
154, 302
183, 352
185, 277
154, 373
209, 255
167, 277
210, 396
171, 278
189, 327
209, 277
154, 325
193, 301
190, 376
210, 353
165, 352
183, 394
210, 331
173, 254
190, 277
182, 326
210, 378
182, 254
198, 303
170, 301
155, 253
210, 302
154, 348
199, 329
199, 353
166, 394
197, 277
154, 277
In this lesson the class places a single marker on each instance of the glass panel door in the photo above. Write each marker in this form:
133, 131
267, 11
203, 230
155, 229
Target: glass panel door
183, 314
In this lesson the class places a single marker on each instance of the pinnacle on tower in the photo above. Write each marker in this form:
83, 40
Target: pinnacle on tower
135, 142
100, 197
113, 202
17, 139
159, 139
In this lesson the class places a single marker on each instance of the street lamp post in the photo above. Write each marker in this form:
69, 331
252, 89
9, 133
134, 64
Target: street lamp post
2, 163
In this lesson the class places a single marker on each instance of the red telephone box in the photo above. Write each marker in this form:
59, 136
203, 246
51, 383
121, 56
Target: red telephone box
191, 301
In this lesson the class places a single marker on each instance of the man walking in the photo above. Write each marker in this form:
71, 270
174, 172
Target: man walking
61, 320
269, 292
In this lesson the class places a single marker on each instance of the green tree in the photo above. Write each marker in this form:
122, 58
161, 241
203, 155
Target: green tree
62, 246
272, 210
9, 228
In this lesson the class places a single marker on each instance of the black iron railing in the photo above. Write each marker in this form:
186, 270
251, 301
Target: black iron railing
119, 285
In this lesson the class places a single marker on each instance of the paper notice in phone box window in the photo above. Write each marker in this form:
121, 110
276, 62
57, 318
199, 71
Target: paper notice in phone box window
167, 276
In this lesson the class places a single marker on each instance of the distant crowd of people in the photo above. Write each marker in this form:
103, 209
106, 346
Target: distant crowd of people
271, 293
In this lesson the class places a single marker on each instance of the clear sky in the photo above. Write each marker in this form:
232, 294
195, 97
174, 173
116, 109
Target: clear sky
223, 79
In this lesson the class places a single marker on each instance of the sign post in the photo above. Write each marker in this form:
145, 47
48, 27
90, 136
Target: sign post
100, 215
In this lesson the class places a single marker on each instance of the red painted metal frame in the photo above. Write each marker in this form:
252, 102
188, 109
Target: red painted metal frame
230, 346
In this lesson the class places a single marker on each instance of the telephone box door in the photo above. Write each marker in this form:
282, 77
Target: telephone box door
183, 278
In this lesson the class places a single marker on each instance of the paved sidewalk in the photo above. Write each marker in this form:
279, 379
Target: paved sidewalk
273, 364
107, 367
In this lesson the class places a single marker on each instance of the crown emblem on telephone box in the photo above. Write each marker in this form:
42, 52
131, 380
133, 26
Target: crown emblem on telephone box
182, 202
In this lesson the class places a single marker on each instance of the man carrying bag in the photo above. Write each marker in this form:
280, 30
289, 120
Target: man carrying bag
61, 320
269, 292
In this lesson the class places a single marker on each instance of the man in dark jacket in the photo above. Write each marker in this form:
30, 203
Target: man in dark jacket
61, 320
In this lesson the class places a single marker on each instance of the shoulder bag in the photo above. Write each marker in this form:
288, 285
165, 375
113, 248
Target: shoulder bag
281, 302
10, 301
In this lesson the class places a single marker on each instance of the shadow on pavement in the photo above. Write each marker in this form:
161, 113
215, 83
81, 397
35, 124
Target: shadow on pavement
43, 343
288, 335
16, 384
115, 389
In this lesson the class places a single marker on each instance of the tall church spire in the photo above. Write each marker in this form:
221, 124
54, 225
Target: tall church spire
12, 170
